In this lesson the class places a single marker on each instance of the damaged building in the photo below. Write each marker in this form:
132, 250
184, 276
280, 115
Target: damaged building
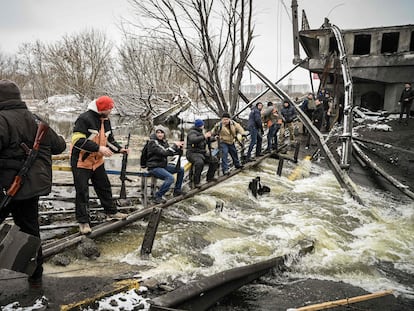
380, 60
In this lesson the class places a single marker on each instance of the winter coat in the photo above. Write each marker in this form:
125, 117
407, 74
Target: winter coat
18, 125
228, 133
308, 105
317, 115
159, 151
407, 94
196, 142
270, 116
255, 119
88, 136
288, 113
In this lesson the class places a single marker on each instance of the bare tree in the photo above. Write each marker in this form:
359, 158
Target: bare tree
213, 39
33, 58
11, 69
147, 65
79, 63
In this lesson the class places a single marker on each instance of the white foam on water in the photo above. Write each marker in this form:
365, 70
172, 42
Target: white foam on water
350, 239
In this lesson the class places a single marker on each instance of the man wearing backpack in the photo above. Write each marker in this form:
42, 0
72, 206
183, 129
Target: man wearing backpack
227, 131
288, 113
308, 105
158, 151
270, 117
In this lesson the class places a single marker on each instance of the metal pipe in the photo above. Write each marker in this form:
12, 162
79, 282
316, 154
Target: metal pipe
268, 88
295, 22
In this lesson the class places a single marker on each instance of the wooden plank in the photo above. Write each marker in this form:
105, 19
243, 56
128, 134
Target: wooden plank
57, 246
342, 302
121, 286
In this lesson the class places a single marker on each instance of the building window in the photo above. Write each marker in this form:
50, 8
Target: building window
390, 42
362, 44
333, 45
412, 41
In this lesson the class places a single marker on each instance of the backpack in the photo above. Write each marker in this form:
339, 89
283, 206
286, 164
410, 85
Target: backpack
144, 155
267, 114
311, 104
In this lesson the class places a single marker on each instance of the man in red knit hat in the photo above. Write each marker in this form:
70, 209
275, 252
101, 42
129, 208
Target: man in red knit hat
92, 140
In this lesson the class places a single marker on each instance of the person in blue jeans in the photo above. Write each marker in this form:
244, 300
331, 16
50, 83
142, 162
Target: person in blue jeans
158, 152
255, 127
270, 116
226, 131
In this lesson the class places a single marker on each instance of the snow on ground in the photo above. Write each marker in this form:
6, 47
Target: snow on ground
380, 127
131, 300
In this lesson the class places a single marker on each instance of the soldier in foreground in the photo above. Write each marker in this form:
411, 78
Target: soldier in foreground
18, 128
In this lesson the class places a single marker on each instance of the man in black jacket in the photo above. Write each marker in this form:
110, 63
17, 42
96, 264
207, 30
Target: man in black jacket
18, 125
92, 140
406, 100
158, 152
317, 119
197, 154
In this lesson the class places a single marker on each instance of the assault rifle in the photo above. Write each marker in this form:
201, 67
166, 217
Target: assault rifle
19, 179
178, 164
122, 176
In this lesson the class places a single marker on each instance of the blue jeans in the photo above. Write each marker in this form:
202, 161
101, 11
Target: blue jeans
225, 150
166, 174
255, 139
272, 137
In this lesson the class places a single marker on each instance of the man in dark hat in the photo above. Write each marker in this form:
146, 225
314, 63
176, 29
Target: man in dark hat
227, 131
92, 140
197, 153
255, 127
18, 125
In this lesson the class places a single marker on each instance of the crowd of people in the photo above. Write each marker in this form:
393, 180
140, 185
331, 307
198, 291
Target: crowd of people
92, 141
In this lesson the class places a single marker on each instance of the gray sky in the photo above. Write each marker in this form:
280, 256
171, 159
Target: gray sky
48, 20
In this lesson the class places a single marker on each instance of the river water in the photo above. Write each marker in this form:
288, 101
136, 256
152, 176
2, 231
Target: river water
368, 246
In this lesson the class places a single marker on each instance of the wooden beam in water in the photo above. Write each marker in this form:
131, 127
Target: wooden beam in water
57, 246
342, 302
149, 237
201, 294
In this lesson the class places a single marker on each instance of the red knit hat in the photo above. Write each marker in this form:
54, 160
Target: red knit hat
104, 103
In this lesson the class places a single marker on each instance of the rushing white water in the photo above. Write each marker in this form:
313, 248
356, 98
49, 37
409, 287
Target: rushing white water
354, 243
370, 246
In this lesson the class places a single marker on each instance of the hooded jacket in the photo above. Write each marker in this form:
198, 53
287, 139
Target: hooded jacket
288, 113
91, 131
18, 125
196, 142
159, 151
255, 119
